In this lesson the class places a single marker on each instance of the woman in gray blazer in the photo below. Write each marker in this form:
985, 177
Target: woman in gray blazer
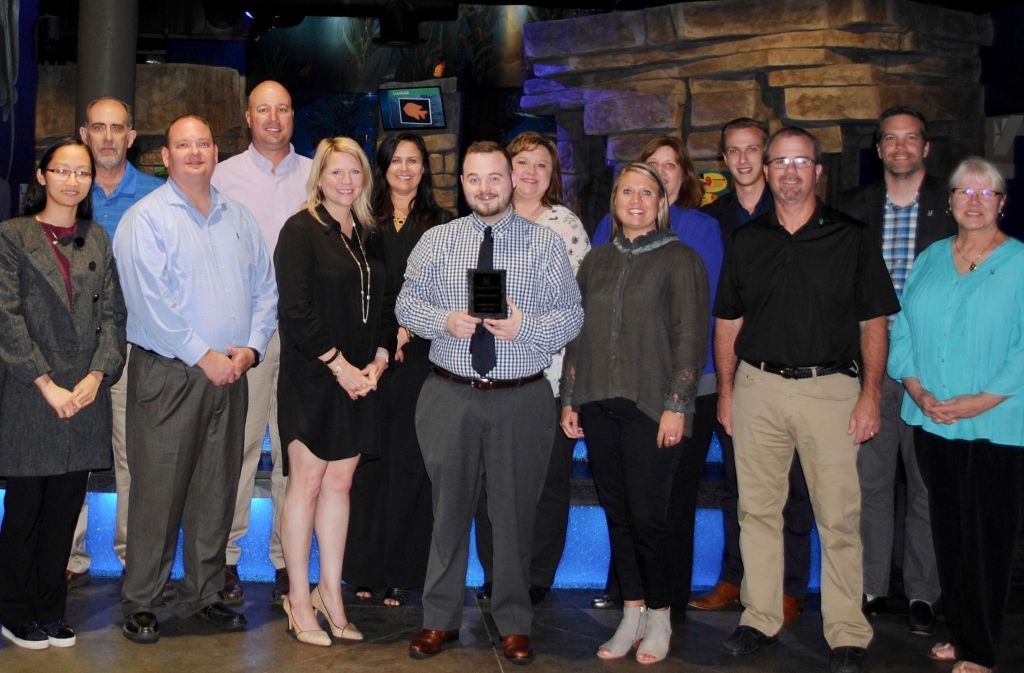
62, 344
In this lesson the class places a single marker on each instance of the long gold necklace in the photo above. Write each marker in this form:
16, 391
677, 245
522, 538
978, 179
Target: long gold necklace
973, 264
364, 294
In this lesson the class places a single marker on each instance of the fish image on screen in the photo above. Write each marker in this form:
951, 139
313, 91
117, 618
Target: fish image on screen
414, 108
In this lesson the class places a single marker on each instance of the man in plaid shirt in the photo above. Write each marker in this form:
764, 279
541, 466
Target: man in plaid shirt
908, 209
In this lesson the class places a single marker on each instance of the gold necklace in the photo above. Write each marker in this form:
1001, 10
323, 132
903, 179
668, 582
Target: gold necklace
364, 294
972, 265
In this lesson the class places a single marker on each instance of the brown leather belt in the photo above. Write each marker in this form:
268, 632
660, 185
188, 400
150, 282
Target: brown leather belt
848, 369
485, 383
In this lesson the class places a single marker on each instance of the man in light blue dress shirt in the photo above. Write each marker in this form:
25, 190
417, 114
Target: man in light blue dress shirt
202, 305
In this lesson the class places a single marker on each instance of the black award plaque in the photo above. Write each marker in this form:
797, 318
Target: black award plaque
487, 295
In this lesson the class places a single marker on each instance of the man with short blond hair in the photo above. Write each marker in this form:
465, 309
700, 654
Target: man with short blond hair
269, 179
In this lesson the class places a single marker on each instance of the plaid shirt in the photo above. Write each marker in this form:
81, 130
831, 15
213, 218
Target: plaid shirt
539, 280
899, 232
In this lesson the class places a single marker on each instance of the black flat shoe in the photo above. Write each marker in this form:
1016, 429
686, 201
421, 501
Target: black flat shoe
397, 595
605, 602
873, 606
746, 640
141, 627
222, 617
847, 660
59, 633
921, 618
29, 636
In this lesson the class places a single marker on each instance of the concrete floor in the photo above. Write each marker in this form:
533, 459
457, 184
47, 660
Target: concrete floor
566, 636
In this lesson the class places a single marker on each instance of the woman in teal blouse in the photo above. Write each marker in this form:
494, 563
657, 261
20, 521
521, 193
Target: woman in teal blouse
958, 347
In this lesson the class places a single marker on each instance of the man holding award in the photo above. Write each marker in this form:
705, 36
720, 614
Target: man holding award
486, 413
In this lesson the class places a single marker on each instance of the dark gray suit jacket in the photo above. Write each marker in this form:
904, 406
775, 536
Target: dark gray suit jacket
933, 220
40, 333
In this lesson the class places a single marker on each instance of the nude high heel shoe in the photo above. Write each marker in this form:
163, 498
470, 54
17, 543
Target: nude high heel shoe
318, 637
348, 632
629, 634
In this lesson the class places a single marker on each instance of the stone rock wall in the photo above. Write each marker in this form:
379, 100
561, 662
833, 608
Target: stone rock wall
829, 65
162, 94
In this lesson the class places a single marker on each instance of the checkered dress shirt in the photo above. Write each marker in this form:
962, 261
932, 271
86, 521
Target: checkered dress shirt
899, 233
539, 280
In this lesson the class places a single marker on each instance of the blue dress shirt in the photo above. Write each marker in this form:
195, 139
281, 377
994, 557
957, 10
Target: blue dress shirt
194, 283
962, 335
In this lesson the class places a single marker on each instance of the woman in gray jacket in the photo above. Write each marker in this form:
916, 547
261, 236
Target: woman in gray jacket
62, 344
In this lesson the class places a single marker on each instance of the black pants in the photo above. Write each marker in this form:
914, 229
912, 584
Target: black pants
976, 498
634, 484
550, 522
39, 521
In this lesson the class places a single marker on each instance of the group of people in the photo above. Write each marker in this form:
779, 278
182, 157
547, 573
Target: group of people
329, 299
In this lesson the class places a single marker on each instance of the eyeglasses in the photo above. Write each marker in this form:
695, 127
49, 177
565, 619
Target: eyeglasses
967, 193
783, 163
66, 173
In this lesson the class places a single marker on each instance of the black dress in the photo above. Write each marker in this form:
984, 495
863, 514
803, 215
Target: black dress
391, 520
320, 307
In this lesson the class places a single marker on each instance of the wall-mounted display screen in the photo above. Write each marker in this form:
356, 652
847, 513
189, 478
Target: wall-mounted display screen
415, 108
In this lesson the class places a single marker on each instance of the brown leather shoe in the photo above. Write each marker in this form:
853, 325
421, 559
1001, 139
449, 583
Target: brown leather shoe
517, 648
724, 593
281, 586
429, 642
233, 593
792, 607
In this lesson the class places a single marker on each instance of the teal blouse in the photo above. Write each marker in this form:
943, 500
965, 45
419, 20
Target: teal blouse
961, 335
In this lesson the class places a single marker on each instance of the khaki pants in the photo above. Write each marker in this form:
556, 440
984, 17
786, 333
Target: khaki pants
770, 416
262, 383
79, 560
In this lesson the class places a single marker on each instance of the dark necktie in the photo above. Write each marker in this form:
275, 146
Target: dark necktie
481, 346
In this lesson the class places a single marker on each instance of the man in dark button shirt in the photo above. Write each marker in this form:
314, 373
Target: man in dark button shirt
800, 313
907, 211
742, 146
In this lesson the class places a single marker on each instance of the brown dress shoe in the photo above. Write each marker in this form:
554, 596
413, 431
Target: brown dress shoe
723, 594
233, 593
429, 642
517, 648
281, 586
792, 607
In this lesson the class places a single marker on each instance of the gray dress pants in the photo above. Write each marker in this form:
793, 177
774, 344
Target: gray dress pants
876, 464
467, 436
185, 454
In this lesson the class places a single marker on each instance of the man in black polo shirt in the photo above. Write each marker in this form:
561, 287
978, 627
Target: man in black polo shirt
800, 313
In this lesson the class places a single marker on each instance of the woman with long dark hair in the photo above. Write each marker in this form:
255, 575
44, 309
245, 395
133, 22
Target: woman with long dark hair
62, 345
390, 531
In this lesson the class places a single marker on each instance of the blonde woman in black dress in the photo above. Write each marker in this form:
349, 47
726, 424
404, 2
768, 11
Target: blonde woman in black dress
333, 329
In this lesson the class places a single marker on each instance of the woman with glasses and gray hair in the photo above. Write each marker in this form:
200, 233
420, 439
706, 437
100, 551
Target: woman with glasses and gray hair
958, 347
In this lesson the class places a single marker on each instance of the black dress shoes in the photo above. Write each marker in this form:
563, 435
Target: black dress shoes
921, 618
141, 627
847, 660
746, 640
222, 617
234, 592
280, 589
873, 606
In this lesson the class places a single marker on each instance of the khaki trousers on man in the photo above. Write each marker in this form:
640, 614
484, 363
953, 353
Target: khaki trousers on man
771, 415
80, 560
262, 382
